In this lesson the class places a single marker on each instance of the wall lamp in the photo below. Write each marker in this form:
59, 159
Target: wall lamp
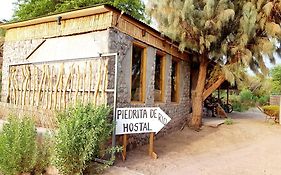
59, 20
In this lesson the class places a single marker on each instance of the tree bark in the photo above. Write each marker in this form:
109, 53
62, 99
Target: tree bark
197, 97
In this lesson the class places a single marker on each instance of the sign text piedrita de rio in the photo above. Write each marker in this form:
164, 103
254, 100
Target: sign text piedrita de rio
140, 120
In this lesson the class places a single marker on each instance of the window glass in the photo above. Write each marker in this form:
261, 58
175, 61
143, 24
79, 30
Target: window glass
175, 81
137, 73
159, 75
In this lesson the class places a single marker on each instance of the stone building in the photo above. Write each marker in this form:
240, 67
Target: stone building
52, 61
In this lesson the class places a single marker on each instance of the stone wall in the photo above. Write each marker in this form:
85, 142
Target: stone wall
122, 43
17, 51
42, 117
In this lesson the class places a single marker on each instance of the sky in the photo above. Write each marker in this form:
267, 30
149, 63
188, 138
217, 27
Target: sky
6, 9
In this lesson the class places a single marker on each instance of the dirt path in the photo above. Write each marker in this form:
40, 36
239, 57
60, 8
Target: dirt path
248, 147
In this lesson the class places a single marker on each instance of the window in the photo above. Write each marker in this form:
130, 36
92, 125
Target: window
138, 80
175, 81
159, 78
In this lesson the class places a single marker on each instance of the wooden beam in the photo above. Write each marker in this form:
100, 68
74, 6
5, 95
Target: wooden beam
227, 95
151, 146
213, 87
124, 151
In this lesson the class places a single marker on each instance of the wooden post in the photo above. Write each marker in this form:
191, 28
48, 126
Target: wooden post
227, 95
219, 93
124, 151
280, 111
151, 146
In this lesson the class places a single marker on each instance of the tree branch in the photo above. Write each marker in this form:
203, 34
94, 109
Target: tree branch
213, 87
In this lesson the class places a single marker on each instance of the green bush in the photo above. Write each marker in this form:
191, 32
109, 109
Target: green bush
238, 106
246, 99
263, 100
82, 131
236, 103
44, 154
20, 151
18, 146
228, 121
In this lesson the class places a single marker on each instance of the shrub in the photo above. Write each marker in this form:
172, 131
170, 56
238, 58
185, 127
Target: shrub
82, 130
247, 97
17, 146
272, 110
263, 100
44, 154
236, 104
228, 121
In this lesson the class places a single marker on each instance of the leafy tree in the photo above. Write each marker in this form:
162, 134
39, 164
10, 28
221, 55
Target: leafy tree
27, 9
276, 79
230, 34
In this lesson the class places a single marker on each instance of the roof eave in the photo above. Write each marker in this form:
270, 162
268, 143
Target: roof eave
52, 18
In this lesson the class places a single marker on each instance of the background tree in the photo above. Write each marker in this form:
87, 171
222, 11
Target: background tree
230, 34
27, 9
275, 74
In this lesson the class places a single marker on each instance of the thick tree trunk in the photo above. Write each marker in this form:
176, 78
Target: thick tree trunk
197, 97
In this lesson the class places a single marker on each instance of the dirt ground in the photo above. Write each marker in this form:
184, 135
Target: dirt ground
250, 146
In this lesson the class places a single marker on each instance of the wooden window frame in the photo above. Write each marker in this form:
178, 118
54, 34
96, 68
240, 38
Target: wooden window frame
177, 80
143, 73
162, 75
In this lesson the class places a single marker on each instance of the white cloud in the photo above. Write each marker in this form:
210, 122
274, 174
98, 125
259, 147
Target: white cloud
6, 9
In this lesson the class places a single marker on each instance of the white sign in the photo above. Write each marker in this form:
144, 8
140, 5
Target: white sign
140, 120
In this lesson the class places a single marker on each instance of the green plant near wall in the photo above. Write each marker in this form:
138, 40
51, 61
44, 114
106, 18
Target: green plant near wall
20, 149
18, 146
43, 154
82, 130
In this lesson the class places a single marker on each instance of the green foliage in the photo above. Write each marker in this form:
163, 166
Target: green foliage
238, 106
236, 103
247, 99
0, 82
233, 34
246, 96
44, 154
82, 130
275, 74
228, 121
263, 100
18, 146
27, 9
2, 33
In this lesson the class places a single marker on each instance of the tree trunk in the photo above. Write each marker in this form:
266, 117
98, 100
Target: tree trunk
197, 97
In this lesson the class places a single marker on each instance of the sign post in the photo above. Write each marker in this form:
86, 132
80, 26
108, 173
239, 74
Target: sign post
140, 120
280, 111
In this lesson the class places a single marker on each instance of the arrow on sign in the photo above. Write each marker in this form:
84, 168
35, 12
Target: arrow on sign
140, 120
